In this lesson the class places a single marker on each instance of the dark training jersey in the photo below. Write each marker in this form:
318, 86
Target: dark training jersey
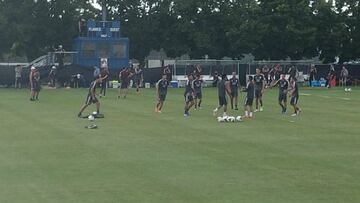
259, 81
222, 88
162, 86
197, 84
250, 90
283, 85
234, 84
188, 88
92, 87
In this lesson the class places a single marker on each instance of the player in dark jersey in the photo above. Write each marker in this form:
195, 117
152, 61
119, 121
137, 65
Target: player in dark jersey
197, 88
124, 76
91, 97
223, 88
234, 86
249, 99
259, 80
189, 95
161, 92
105, 77
32, 83
294, 94
283, 90
138, 77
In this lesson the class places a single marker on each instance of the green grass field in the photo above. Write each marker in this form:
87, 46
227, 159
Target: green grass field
46, 154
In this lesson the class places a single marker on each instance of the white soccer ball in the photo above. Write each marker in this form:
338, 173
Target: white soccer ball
91, 118
220, 119
239, 119
230, 119
346, 89
349, 89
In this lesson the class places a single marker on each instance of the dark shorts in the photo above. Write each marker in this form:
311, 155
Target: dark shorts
258, 92
124, 85
162, 97
282, 97
91, 100
294, 100
222, 101
36, 87
198, 95
137, 82
234, 92
189, 98
249, 101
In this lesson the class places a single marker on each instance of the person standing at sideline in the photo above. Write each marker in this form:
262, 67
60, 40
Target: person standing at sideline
18, 73
344, 75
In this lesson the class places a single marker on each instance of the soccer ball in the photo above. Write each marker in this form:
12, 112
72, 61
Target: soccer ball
239, 119
230, 119
349, 89
91, 118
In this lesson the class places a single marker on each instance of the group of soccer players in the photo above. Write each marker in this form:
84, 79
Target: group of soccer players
193, 92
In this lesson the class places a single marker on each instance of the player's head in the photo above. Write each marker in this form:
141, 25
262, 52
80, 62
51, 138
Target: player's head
282, 76
190, 77
251, 78
197, 76
224, 77
234, 74
33, 69
257, 71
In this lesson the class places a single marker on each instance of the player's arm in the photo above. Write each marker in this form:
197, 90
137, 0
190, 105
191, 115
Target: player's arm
276, 83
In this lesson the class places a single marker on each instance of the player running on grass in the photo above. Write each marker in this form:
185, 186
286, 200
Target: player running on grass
294, 94
234, 84
223, 88
283, 90
249, 99
91, 97
161, 92
197, 88
189, 95
124, 76
259, 80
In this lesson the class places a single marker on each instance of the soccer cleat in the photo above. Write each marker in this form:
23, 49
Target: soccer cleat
186, 115
256, 110
295, 114
79, 115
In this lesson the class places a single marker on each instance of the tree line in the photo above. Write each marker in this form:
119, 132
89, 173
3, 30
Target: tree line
268, 29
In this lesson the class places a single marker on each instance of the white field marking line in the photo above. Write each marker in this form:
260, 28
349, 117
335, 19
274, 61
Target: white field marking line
344, 98
303, 94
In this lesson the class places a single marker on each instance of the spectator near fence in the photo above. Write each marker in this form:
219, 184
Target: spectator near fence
331, 78
313, 74
52, 77
344, 75
18, 80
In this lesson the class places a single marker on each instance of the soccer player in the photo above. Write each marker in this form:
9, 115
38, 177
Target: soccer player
234, 84
32, 83
104, 72
18, 74
249, 99
52, 77
161, 92
223, 88
283, 90
91, 97
259, 80
37, 85
189, 95
124, 76
294, 93
139, 78
197, 88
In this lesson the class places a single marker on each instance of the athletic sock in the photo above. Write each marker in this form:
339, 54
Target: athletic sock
251, 114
